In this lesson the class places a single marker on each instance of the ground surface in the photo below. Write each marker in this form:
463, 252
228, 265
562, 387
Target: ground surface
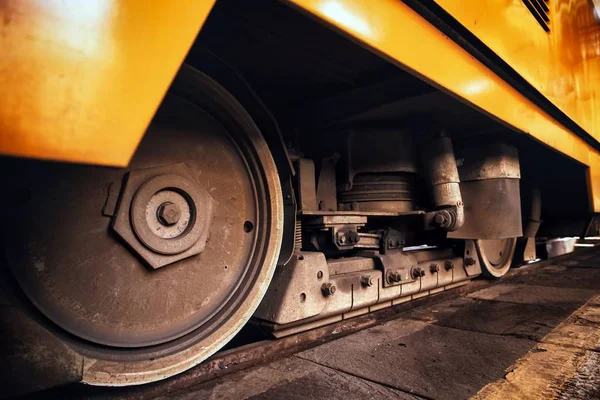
534, 335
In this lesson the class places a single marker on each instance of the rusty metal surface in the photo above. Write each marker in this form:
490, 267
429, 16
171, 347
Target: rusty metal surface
142, 220
313, 291
441, 176
492, 210
488, 161
291, 241
387, 192
307, 187
363, 213
295, 292
326, 187
92, 285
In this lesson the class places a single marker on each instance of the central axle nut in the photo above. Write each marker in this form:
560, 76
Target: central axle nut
168, 213
163, 214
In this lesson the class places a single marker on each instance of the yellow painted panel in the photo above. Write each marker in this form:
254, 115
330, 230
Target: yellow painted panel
391, 28
81, 79
563, 64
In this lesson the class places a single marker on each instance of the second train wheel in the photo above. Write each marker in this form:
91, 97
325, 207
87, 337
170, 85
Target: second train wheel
495, 256
149, 280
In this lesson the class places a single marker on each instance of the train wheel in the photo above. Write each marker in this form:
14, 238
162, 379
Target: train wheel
150, 270
496, 256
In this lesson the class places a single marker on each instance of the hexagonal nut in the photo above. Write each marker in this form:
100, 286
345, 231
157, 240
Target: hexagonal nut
440, 219
417, 272
169, 213
341, 238
394, 276
366, 280
179, 178
328, 289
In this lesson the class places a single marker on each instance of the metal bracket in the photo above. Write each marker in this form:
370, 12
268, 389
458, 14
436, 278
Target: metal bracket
397, 267
392, 240
289, 222
341, 231
471, 259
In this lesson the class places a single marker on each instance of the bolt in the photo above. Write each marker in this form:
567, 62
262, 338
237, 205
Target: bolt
394, 276
469, 261
366, 280
353, 237
341, 238
434, 268
449, 265
418, 272
328, 289
168, 214
440, 219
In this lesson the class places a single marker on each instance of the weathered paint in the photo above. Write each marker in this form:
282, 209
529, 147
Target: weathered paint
390, 27
81, 80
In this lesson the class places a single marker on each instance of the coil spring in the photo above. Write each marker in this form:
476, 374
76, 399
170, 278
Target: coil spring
298, 236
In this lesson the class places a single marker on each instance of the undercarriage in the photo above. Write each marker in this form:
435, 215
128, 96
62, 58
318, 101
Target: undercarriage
287, 201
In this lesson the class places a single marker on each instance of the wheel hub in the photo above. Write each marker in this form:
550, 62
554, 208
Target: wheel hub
148, 273
164, 214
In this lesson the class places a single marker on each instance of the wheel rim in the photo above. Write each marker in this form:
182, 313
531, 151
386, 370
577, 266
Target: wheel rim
93, 286
496, 255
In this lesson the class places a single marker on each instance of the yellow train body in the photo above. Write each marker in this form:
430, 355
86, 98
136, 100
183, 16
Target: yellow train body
82, 80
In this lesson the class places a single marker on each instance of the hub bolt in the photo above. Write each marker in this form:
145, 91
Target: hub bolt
418, 272
348, 238
328, 289
395, 276
168, 214
469, 261
353, 237
366, 280
341, 238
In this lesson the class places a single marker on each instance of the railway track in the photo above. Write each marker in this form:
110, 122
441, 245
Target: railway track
248, 350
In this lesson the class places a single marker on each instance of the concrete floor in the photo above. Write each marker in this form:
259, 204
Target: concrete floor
534, 335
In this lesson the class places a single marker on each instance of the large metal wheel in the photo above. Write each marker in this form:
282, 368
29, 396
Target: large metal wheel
149, 270
495, 256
